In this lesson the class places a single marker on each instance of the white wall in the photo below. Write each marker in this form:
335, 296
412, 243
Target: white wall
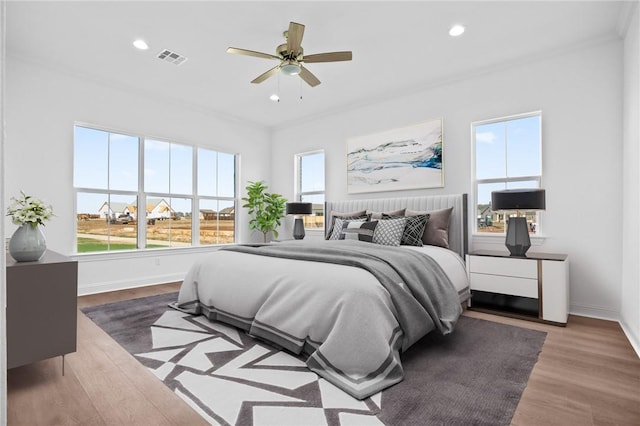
3, 328
580, 95
630, 310
42, 105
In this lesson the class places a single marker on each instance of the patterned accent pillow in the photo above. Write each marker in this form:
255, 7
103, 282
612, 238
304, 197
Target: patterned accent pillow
361, 214
389, 232
338, 225
358, 230
413, 230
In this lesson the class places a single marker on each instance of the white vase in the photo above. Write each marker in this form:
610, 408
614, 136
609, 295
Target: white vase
27, 244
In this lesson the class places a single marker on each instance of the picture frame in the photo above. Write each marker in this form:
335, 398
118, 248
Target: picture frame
399, 159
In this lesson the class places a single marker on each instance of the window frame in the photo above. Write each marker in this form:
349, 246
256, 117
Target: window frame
298, 193
506, 180
141, 195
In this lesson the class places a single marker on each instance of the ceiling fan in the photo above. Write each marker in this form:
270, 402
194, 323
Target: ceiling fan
291, 56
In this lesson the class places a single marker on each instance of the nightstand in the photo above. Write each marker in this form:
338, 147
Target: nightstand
41, 308
535, 287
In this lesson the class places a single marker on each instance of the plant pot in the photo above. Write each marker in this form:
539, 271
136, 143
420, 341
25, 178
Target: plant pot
27, 244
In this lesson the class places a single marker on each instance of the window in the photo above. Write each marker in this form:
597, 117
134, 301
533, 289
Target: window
507, 156
310, 186
176, 181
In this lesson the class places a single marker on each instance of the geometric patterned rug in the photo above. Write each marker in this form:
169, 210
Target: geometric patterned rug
473, 376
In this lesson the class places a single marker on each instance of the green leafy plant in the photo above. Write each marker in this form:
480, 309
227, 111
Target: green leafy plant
28, 210
265, 208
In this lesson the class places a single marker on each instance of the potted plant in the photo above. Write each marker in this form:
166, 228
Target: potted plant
265, 209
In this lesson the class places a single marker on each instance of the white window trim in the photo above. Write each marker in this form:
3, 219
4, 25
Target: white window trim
141, 195
485, 237
297, 193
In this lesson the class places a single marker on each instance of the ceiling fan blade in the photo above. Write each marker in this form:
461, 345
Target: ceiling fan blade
262, 77
294, 38
327, 57
309, 78
252, 53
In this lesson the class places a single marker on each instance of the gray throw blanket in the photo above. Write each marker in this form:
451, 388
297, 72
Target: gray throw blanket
352, 306
418, 286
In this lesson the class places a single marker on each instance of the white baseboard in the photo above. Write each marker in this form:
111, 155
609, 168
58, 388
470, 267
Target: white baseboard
633, 338
125, 284
595, 312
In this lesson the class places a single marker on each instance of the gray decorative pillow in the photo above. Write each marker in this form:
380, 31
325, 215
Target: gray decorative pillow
358, 230
413, 230
379, 215
389, 232
362, 214
339, 224
436, 233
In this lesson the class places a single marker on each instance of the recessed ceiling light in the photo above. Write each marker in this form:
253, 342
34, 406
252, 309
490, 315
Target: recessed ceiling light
275, 98
456, 30
141, 44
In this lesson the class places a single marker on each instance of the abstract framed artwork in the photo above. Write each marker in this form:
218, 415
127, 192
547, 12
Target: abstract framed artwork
398, 159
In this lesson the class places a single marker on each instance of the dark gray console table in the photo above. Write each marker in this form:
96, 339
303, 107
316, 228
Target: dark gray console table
41, 308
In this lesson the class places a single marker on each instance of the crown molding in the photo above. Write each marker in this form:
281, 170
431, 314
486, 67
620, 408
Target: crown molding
466, 75
625, 17
55, 68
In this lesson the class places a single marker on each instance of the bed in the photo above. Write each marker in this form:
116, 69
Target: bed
349, 306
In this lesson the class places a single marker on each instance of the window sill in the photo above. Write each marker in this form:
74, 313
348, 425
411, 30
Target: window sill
498, 239
314, 231
142, 253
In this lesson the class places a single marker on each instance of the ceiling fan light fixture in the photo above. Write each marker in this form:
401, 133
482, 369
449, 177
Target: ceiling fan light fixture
290, 68
290, 56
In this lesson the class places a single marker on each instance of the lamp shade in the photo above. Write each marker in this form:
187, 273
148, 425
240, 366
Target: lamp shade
299, 208
518, 199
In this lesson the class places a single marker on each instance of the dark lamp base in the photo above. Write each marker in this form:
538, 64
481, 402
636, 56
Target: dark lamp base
517, 240
298, 229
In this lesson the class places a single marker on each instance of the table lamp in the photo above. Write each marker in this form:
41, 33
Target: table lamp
299, 209
517, 240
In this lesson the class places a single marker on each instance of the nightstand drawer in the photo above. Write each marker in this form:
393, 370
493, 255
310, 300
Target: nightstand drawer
524, 287
521, 268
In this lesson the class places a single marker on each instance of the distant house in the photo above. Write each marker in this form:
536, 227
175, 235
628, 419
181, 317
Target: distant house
228, 213
130, 210
207, 214
114, 209
157, 208
485, 216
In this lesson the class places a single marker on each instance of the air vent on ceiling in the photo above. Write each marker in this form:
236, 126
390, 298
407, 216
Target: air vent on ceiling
173, 57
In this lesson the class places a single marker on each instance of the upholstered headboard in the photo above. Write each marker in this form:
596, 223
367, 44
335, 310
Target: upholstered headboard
458, 235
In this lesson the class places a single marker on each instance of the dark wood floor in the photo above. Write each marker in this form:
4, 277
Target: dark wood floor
587, 374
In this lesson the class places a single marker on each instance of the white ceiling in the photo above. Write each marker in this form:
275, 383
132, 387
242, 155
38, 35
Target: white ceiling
398, 47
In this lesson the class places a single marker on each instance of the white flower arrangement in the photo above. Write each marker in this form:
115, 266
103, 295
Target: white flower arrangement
28, 210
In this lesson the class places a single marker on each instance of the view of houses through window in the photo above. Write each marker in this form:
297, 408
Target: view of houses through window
116, 211
310, 186
507, 156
